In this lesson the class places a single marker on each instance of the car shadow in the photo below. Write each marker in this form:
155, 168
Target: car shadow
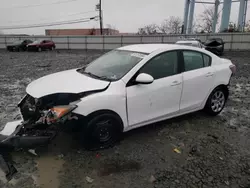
171, 123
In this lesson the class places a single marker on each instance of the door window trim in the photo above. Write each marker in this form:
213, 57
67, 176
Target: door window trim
179, 66
202, 54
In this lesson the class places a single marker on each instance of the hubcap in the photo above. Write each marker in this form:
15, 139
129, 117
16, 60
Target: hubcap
218, 101
104, 132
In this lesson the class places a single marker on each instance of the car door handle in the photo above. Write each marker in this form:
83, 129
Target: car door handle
209, 74
175, 83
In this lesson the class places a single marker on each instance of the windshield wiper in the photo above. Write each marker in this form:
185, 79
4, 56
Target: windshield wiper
95, 76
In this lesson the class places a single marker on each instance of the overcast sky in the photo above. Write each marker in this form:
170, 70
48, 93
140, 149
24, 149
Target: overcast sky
124, 15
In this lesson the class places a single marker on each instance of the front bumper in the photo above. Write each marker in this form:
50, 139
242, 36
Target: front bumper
34, 130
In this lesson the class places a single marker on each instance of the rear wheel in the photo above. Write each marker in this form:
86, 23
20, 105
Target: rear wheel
216, 101
102, 131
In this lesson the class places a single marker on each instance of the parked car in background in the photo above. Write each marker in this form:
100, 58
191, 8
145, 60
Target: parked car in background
191, 42
215, 45
41, 45
19, 45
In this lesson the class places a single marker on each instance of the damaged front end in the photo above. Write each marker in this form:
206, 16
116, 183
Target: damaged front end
41, 120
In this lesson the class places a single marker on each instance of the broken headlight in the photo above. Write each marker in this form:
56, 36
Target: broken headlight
58, 112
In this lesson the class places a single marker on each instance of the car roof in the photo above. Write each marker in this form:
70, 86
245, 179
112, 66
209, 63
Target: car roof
149, 48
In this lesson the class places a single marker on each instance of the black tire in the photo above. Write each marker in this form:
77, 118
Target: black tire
39, 49
101, 132
216, 101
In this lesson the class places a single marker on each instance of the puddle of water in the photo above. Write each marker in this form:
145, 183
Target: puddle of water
117, 167
48, 171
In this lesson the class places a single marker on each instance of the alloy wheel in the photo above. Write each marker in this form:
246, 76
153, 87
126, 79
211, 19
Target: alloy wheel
218, 101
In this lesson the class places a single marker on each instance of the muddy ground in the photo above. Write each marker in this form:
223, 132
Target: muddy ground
215, 151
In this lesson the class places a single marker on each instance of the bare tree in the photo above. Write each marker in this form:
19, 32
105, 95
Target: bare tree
171, 25
148, 30
247, 26
206, 21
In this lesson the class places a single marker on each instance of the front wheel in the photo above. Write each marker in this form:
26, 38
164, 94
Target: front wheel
102, 131
216, 102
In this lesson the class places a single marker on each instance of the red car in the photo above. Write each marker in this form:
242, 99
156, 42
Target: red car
41, 45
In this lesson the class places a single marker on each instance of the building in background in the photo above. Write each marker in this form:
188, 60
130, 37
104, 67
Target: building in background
79, 32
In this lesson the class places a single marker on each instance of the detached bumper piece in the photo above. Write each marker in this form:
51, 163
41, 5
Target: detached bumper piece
41, 123
13, 137
6, 163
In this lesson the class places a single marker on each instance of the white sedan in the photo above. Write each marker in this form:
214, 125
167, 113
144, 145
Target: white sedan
126, 88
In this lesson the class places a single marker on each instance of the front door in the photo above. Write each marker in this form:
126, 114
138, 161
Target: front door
198, 77
159, 99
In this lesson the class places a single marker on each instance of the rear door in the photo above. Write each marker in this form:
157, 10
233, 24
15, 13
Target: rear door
198, 78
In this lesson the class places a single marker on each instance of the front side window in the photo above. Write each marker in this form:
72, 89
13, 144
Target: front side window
113, 65
161, 66
192, 60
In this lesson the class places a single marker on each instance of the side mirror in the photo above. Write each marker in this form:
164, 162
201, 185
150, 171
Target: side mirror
144, 78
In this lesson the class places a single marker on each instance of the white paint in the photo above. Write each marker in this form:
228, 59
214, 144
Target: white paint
144, 78
64, 82
149, 48
196, 86
141, 104
10, 127
147, 102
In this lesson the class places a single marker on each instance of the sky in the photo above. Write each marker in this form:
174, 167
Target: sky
124, 15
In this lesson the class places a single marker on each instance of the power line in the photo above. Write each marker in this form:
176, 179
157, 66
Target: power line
38, 5
48, 24
49, 18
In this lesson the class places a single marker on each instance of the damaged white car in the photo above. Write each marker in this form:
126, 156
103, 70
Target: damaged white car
124, 89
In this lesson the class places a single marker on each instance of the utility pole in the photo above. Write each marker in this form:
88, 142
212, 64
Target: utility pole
100, 16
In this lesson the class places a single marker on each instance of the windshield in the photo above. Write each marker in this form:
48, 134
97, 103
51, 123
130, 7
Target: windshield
37, 42
18, 42
113, 65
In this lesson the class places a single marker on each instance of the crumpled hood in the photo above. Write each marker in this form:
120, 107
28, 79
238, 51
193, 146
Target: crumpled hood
64, 82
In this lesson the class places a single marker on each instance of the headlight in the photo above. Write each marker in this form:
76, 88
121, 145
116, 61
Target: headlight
58, 112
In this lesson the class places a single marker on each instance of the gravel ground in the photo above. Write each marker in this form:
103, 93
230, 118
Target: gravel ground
214, 151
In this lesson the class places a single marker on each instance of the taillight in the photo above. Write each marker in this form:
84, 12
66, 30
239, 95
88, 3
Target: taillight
233, 68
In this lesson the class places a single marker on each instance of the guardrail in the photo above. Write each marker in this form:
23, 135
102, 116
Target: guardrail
233, 41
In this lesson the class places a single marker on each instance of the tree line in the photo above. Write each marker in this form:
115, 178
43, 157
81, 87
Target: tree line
174, 25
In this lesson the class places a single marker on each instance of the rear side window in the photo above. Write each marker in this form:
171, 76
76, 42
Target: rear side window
192, 60
195, 60
207, 60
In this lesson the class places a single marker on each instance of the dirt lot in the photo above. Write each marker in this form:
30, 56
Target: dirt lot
215, 152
